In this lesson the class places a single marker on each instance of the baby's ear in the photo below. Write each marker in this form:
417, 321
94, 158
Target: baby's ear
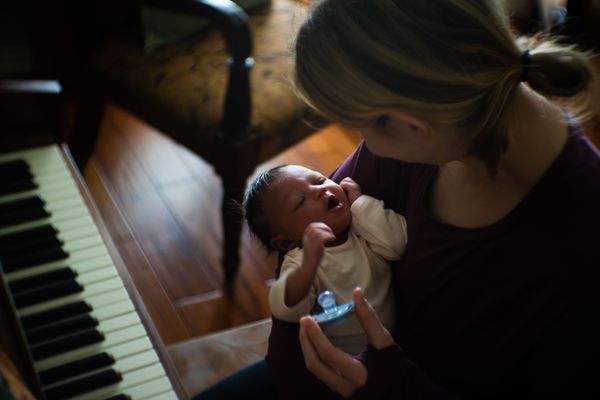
281, 243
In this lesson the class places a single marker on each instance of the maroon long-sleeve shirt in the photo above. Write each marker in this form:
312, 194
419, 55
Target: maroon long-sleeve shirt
507, 311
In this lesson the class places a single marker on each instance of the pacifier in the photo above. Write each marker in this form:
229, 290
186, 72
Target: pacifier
331, 310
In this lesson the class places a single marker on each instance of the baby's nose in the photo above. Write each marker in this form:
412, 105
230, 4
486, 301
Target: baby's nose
320, 192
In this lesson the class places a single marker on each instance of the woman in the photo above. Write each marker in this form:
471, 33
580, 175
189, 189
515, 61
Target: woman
497, 292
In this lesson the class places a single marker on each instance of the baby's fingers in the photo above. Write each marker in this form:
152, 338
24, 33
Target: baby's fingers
348, 182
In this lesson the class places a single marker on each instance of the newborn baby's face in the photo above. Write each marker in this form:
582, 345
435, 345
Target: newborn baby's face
300, 196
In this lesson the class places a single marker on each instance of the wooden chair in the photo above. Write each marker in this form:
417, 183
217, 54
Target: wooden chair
222, 92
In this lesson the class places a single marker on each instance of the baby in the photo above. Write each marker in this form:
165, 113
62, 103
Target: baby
334, 238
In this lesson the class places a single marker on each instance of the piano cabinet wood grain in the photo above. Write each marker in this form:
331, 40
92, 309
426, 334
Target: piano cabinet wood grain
153, 334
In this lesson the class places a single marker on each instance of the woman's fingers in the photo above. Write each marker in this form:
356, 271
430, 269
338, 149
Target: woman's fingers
377, 335
340, 372
337, 369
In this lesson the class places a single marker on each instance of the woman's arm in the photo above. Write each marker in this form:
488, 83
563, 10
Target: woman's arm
382, 371
383, 229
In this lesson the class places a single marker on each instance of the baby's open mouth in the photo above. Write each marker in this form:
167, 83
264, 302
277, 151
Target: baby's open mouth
333, 202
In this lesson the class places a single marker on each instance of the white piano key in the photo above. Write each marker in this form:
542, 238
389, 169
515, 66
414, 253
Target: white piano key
122, 365
51, 186
136, 361
90, 290
119, 329
157, 389
106, 299
58, 191
82, 243
129, 348
55, 218
119, 322
62, 204
113, 310
76, 232
110, 339
119, 351
168, 395
97, 275
130, 380
80, 262
45, 155
125, 336
74, 223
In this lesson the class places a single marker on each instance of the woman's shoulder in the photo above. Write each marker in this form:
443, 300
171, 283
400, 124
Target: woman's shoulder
579, 161
573, 181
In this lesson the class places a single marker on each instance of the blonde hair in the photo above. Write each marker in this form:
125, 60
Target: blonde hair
448, 62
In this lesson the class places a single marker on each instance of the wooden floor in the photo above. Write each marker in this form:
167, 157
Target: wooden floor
162, 207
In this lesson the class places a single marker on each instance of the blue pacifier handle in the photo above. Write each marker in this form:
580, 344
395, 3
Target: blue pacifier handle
331, 311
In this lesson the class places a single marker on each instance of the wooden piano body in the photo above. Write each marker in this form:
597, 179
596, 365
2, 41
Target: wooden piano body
104, 345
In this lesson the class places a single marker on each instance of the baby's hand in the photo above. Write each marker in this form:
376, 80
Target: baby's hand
351, 188
315, 236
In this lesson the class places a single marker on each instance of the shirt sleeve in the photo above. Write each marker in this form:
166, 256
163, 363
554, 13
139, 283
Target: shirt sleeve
383, 229
391, 375
277, 295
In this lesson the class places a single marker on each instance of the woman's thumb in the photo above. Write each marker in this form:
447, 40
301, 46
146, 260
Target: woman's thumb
377, 335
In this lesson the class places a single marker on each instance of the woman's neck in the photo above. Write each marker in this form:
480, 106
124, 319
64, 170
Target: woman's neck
466, 195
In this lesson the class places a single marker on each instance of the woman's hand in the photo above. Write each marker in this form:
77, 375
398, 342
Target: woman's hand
334, 367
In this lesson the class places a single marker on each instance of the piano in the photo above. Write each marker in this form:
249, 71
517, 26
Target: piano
70, 318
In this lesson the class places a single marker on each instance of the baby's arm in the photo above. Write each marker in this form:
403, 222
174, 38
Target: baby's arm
299, 281
383, 229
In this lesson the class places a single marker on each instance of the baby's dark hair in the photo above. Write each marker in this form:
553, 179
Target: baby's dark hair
253, 205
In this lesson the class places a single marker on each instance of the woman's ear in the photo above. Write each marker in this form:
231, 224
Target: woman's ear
414, 124
281, 243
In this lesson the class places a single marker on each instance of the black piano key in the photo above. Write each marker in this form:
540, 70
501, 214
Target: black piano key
23, 210
17, 251
26, 251
13, 168
83, 385
78, 367
17, 186
119, 397
15, 177
36, 281
63, 328
34, 258
10, 239
47, 293
65, 344
52, 315
19, 240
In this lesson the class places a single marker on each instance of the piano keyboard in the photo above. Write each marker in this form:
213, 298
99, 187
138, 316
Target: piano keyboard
81, 327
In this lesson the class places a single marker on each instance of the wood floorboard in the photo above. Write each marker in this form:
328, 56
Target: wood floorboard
162, 206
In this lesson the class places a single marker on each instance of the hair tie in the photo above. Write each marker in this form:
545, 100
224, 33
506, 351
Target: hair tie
525, 64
